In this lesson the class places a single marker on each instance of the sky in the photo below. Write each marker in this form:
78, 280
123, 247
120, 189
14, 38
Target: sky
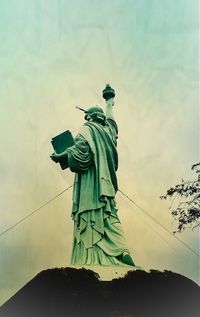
58, 54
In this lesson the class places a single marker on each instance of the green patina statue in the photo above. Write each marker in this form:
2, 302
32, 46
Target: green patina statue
98, 235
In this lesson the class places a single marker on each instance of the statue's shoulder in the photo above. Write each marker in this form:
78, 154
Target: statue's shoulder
85, 132
84, 129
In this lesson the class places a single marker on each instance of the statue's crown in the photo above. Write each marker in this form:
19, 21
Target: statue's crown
96, 113
94, 109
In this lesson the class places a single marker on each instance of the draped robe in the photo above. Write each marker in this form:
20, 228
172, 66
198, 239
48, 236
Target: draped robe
98, 237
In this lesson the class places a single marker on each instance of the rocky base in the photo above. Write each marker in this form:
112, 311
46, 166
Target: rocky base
80, 293
108, 273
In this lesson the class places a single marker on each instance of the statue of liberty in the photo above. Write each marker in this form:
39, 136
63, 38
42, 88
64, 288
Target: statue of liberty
98, 237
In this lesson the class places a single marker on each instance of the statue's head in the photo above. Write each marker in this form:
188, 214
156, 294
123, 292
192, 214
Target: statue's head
95, 114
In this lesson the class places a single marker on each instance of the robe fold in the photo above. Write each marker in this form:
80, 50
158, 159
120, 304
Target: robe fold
98, 236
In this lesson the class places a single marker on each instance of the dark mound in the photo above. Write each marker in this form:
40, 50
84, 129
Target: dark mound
79, 293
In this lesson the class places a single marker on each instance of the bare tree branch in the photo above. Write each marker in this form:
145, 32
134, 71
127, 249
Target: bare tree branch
187, 212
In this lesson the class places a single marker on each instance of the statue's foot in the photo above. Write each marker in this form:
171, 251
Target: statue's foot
127, 259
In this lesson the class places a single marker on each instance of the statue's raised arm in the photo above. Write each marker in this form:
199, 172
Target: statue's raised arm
109, 108
108, 95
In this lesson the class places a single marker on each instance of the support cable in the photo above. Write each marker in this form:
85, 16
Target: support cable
160, 224
34, 211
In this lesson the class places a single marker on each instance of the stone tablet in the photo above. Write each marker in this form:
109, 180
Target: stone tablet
60, 143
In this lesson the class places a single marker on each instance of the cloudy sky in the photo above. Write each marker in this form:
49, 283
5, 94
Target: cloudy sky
58, 54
